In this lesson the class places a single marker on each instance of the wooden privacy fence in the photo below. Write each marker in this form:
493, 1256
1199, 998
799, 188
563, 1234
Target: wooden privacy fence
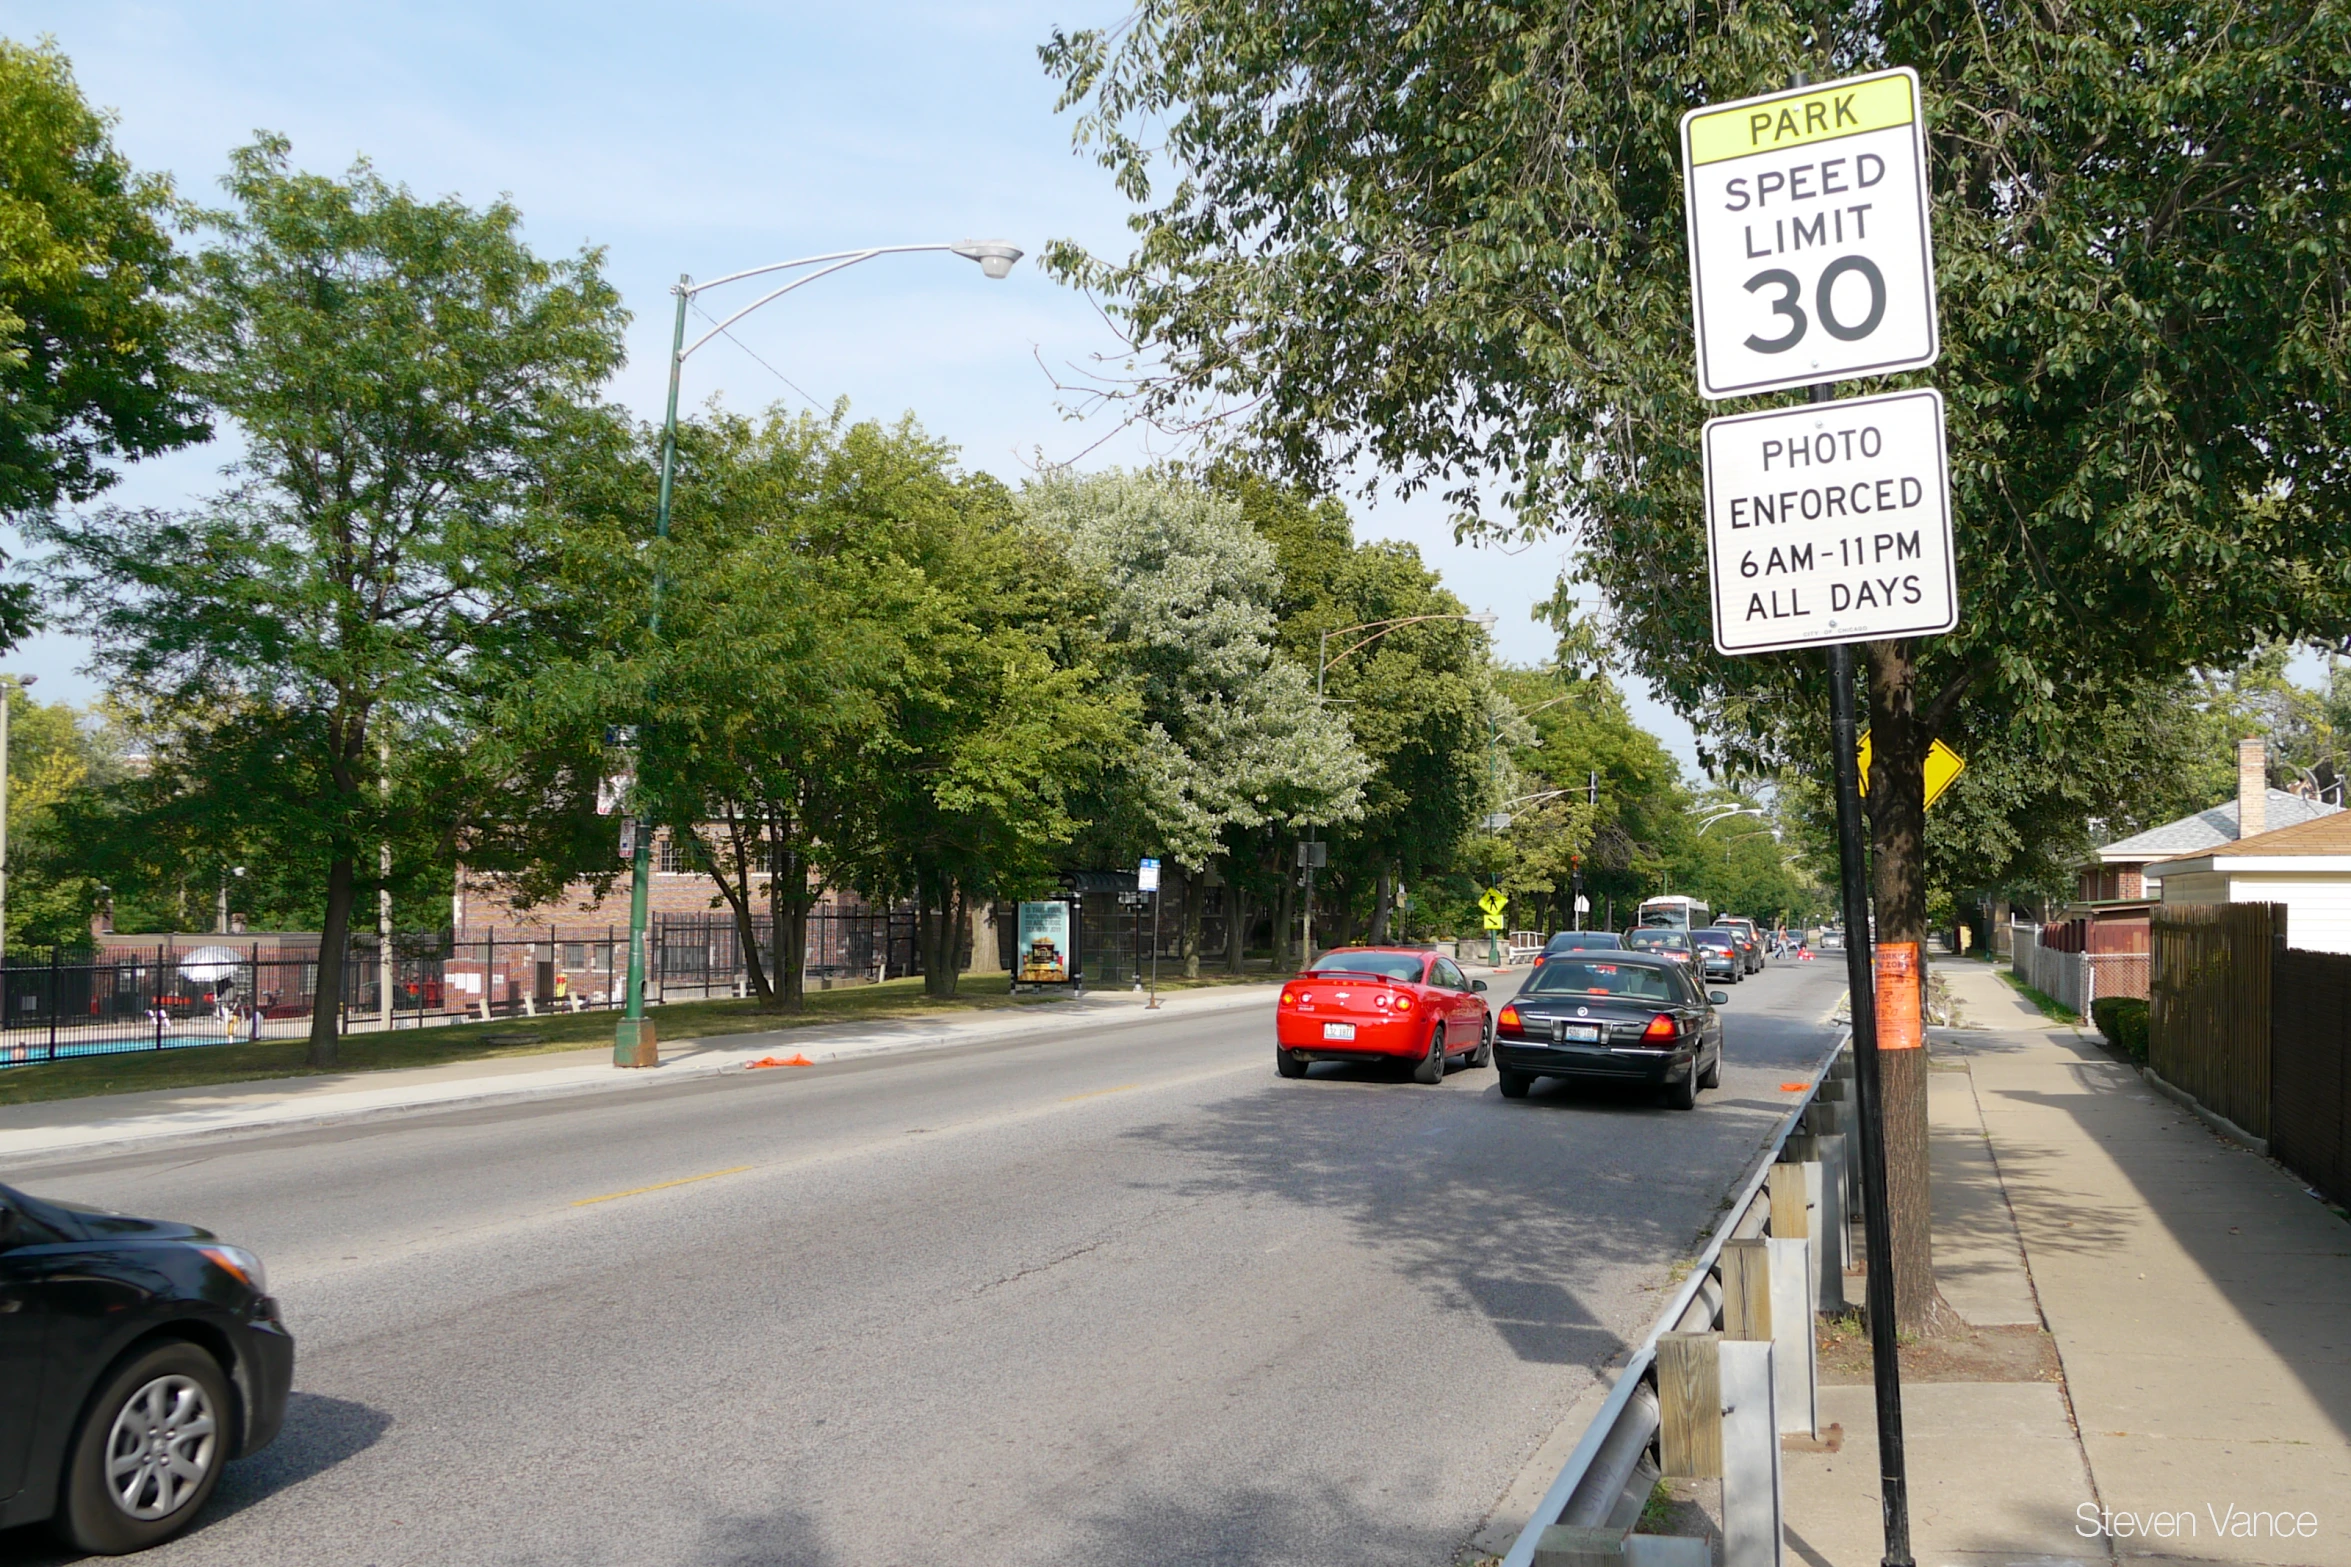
2310, 1069
2209, 1005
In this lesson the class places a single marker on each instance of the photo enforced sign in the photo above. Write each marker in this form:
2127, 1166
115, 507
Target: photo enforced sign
1829, 522
1810, 258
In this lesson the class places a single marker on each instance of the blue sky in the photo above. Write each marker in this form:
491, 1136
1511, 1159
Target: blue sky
705, 138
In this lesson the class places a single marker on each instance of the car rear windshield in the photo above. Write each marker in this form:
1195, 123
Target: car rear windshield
1658, 941
1638, 981
1394, 965
1586, 941
1719, 939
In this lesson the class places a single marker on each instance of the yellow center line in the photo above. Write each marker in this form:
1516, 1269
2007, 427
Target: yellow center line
683, 1180
1099, 1092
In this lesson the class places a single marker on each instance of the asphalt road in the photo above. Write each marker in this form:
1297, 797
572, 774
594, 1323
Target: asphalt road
1124, 1298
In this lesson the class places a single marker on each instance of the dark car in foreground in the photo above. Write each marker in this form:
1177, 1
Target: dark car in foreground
137, 1357
1624, 1017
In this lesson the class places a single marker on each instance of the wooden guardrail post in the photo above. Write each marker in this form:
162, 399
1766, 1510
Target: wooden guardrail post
1689, 1406
1746, 1289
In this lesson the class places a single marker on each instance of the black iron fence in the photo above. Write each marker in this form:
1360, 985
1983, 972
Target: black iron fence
65, 1002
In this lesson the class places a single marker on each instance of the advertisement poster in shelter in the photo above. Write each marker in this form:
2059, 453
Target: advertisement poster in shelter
1044, 956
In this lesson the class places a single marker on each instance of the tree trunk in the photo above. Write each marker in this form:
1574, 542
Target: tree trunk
1379, 909
734, 885
1195, 889
1236, 924
935, 917
334, 942
1285, 922
1897, 818
787, 920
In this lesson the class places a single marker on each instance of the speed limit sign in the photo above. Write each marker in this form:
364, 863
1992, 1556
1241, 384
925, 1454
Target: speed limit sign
1810, 259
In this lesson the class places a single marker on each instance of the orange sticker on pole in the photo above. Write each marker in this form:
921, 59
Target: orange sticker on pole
1897, 988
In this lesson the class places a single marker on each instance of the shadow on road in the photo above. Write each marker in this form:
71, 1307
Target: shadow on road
1511, 1212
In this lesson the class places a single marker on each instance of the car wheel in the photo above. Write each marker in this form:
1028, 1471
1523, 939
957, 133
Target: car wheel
1432, 1066
1684, 1094
1288, 1062
150, 1449
1484, 1054
1713, 1074
1514, 1084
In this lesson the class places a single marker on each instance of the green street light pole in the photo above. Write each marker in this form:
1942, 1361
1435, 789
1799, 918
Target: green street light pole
633, 1042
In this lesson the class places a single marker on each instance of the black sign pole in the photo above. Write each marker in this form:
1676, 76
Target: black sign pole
1876, 1222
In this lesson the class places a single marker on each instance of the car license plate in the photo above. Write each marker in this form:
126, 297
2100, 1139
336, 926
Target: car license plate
1338, 1031
1586, 1033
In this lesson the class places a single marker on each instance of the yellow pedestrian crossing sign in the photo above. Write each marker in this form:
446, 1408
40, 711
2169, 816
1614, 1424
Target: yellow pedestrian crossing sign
1943, 765
1493, 902
1494, 922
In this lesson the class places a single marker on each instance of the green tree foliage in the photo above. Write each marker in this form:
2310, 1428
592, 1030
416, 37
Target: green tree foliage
1415, 697
998, 719
1450, 243
86, 328
1233, 742
409, 379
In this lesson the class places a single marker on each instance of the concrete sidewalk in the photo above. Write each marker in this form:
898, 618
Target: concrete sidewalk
2195, 1297
79, 1125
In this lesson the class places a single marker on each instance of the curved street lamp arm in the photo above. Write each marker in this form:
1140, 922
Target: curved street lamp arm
1386, 626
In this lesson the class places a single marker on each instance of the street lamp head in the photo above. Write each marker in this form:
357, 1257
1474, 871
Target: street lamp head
994, 255
1485, 621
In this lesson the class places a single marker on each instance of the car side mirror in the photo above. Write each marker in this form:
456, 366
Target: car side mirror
1477, 984
1720, 998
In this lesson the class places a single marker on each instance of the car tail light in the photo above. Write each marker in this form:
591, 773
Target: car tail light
1289, 997
1540, 960
1661, 1027
1508, 1019
1403, 1003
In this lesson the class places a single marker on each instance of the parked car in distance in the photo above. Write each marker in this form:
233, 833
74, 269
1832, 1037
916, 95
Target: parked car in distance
137, 1357
1719, 956
1750, 939
1382, 1004
1662, 939
1626, 1017
1579, 941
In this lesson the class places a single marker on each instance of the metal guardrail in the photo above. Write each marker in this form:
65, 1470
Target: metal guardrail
1609, 1475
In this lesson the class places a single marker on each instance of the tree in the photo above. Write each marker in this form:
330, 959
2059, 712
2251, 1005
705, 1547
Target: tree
997, 717
1232, 738
1449, 245
407, 377
87, 372
1416, 697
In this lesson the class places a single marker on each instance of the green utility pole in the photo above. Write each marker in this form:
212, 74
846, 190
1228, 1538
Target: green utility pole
1494, 776
633, 1042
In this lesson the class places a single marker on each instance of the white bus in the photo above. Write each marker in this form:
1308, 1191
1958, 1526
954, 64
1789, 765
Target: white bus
1676, 911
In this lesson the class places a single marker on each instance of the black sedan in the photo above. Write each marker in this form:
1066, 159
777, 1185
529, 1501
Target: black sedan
1627, 1017
137, 1357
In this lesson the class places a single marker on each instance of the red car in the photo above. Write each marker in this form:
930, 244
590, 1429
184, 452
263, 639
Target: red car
1382, 1004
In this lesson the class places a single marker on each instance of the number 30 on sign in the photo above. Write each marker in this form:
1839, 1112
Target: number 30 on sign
1810, 258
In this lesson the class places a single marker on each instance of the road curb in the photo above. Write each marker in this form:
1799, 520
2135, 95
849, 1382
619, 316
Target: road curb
73, 1140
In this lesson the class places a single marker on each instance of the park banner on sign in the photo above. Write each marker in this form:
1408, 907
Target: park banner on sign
1810, 255
1830, 522
1044, 944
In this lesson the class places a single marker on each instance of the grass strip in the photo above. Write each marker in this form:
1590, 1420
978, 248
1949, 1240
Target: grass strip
206, 1066
2051, 1008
